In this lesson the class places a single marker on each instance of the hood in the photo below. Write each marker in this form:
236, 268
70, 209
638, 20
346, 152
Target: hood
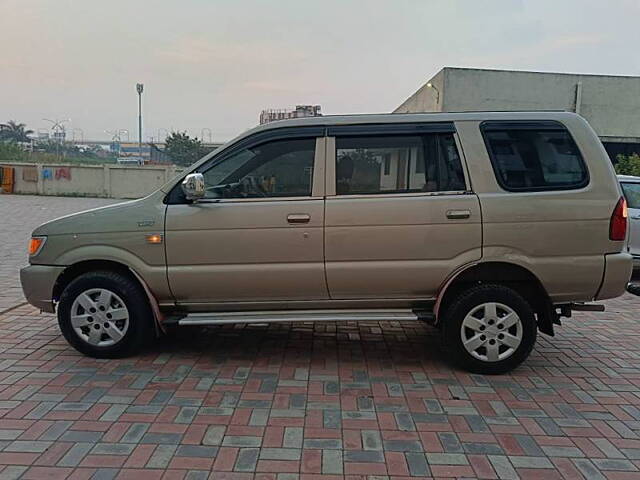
133, 215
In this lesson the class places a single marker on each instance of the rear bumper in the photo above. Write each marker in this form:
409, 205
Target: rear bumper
617, 273
37, 285
636, 262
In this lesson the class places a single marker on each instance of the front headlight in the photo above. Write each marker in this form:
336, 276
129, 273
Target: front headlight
35, 245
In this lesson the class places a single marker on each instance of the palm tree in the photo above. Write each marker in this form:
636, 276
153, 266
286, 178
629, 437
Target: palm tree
14, 131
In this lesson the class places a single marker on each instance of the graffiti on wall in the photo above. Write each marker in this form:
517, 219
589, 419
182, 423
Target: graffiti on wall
57, 173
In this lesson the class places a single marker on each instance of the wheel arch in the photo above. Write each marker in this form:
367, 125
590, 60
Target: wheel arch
512, 275
75, 270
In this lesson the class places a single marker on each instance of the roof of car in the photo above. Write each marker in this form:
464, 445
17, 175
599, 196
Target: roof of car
628, 178
388, 118
326, 120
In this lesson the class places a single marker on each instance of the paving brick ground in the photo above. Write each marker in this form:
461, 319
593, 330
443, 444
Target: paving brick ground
367, 400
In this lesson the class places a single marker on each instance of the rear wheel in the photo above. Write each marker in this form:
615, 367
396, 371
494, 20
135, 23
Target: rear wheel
489, 329
105, 314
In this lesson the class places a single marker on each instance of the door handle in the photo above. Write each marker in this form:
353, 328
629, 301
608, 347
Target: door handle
298, 218
458, 214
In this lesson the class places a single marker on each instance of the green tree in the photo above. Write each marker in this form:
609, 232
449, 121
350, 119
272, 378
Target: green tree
628, 165
14, 132
183, 149
11, 152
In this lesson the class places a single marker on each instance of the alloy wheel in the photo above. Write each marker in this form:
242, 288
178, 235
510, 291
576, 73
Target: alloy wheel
99, 317
491, 332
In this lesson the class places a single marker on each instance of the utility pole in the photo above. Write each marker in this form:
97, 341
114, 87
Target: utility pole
139, 88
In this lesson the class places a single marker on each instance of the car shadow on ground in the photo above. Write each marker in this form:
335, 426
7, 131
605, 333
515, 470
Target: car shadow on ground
396, 343
406, 345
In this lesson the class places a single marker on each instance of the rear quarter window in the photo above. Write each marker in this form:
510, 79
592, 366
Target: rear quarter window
534, 156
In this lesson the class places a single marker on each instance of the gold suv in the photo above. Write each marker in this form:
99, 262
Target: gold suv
491, 226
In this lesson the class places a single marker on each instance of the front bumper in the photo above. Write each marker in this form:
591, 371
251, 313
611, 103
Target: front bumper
37, 285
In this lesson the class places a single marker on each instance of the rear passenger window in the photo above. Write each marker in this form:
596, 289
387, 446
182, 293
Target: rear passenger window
398, 164
533, 157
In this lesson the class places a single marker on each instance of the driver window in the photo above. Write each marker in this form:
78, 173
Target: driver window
281, 168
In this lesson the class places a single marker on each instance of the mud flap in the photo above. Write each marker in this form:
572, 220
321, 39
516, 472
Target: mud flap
158, 317
546, 318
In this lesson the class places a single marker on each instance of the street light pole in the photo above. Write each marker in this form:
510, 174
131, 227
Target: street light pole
139, 88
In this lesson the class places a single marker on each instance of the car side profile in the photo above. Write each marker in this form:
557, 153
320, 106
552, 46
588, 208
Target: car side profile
490, 226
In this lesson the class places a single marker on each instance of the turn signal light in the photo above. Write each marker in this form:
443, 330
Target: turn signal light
154, 238
35, 244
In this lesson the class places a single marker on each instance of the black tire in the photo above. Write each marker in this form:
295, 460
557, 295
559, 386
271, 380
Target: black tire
140, 330
634, 288
464, 304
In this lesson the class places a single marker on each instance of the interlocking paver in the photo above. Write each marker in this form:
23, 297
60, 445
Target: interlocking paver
161, 456
75, 455
247, 459
287, 401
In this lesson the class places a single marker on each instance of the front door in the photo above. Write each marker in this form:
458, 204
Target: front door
257, 235
400, 216
632, 194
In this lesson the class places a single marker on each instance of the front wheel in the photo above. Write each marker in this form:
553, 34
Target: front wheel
105, 314
489, 329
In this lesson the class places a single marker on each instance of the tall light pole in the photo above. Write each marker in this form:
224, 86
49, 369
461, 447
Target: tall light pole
139, 88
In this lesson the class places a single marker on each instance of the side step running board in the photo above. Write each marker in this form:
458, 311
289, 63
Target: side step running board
587, 307
221, 318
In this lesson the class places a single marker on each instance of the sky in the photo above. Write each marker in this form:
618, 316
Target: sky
215, 64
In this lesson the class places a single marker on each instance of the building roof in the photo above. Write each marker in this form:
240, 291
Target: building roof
537, 72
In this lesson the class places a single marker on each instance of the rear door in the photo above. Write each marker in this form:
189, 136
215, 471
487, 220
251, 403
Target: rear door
400, 216
632, 194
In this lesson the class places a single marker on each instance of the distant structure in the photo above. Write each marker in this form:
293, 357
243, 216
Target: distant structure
129, 149
271, 115
610, 103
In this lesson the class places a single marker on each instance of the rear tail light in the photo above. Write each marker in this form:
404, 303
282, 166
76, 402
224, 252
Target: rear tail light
618, 223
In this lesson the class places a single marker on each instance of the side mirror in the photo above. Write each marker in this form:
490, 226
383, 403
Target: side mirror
193, 186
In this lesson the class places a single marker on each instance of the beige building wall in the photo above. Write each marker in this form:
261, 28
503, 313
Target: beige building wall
426, 99
611, 104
